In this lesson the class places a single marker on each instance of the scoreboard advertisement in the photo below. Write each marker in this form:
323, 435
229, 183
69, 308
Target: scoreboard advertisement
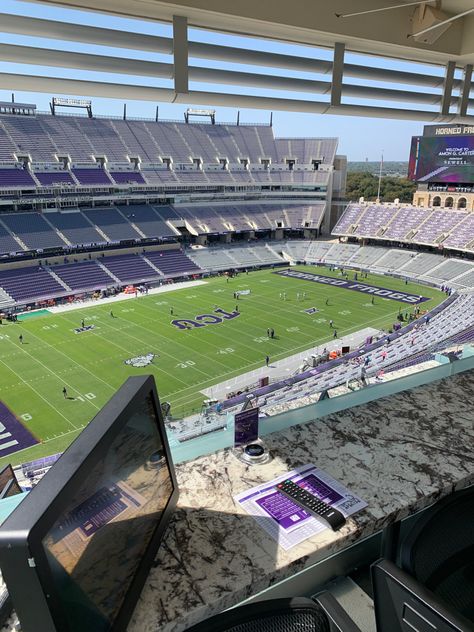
448, 159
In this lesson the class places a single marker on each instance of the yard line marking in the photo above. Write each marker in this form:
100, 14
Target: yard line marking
70, 360
39, 394
73, 389
142, 343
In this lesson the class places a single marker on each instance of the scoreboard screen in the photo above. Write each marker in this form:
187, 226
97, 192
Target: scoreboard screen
447, 159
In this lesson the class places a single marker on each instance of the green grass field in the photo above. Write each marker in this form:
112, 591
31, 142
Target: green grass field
91, 364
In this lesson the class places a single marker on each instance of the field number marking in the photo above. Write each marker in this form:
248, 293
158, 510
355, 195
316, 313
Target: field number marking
50, 327
161, 303
345, 312
26, 417
82, 398
225, 351
261, 339
185, 365
292, 329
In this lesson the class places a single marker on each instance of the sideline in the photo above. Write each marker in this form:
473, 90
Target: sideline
169, 287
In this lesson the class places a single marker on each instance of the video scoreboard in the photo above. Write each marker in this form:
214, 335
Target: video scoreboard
445, 153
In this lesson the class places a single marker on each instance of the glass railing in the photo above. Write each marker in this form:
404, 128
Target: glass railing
208, 440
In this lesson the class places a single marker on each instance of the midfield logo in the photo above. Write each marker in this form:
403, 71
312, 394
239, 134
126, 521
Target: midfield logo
140, 361
202, 320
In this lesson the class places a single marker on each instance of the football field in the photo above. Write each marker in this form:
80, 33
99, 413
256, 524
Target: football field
184, 358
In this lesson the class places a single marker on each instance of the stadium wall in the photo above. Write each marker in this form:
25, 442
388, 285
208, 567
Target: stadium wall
444, 199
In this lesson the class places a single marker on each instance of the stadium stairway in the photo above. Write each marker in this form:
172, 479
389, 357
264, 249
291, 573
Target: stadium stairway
6, 300
58, 232
21, 243
58, 279
107, 271
150, 263
132, 224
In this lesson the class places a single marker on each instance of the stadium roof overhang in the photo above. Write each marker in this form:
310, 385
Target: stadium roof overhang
438, 93
383, 33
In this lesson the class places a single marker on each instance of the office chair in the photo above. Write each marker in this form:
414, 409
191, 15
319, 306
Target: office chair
297, 614
439, 551
402, 604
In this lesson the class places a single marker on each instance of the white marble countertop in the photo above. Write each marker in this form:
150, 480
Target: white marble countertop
399, 454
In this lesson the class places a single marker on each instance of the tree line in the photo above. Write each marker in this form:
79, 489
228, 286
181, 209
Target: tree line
366, 185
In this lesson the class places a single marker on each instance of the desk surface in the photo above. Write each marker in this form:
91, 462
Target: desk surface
399, 454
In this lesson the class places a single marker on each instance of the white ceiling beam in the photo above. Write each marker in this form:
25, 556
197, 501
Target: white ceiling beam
70, 32
135, 67
51, 29
84, 61
51, 85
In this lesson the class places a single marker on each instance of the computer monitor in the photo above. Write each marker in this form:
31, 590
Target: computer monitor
76, 552
402, 604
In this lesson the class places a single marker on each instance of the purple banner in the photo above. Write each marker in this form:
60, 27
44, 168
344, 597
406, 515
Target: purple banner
372, 290
13, 434
246, 427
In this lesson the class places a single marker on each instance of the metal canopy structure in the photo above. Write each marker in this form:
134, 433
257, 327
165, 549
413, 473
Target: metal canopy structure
304, 81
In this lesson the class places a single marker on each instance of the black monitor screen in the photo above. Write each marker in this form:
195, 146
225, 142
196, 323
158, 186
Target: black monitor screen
108, 524
93, 524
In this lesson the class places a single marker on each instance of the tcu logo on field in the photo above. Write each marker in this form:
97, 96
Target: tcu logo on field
204, 319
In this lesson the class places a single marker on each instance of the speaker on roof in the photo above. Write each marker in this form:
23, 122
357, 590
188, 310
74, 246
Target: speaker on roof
424, 17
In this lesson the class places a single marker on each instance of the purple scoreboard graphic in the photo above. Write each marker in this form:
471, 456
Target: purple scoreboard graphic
447, 159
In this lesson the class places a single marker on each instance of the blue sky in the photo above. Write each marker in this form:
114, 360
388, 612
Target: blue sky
359, 138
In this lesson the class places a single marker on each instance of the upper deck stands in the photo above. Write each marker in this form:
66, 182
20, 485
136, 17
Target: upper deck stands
16, 178
44, 137
127, 177
51, 178
92, 177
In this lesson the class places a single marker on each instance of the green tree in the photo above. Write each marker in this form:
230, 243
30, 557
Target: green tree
364, 184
